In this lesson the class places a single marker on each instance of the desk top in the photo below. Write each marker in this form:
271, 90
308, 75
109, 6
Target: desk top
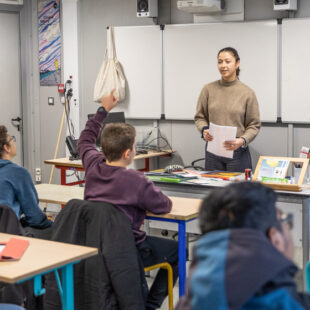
58, 194
41, 256
182, 208
191, 189
78, 163
66, 162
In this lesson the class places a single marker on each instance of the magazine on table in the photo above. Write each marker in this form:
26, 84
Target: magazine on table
273, 170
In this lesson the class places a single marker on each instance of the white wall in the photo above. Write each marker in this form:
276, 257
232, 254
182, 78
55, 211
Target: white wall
94, 17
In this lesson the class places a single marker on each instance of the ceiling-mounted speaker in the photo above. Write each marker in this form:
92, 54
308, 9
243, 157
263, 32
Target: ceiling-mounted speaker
147, 8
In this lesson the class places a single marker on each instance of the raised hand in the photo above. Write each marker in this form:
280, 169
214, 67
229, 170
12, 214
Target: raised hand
109, 101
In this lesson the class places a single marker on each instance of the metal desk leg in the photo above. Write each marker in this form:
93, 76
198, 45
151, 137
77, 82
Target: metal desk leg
147, 230
147, 226
37, 281
147, 164
63, 178
182, 257
305, 231
68, 287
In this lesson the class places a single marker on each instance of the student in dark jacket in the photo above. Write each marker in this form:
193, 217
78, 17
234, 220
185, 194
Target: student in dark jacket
108, 180
16, 187
244, 258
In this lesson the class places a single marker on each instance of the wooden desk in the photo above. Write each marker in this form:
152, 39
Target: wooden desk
42, 257
65, 164
183, 211
58, 194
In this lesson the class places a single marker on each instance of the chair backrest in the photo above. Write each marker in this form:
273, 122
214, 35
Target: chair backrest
10, 307
195, 166
9, 222
112, 277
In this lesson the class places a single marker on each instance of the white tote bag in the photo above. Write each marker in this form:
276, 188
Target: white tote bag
110, 75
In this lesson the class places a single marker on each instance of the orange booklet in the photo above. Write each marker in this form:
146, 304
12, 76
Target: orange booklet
13, 249
224, 175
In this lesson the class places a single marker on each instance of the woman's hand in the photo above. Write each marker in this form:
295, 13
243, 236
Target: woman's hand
207, 136
233, 145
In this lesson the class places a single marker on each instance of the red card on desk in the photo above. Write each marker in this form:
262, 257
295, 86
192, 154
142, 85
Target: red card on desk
14, 249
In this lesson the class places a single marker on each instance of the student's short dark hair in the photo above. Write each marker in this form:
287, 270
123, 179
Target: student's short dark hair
234, 52
3, 139
239, 205
116, 138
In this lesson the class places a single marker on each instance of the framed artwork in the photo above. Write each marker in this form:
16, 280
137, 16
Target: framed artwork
49, 42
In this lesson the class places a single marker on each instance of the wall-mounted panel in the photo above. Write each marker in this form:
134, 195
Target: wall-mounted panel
139, 50
295, 70
190, 62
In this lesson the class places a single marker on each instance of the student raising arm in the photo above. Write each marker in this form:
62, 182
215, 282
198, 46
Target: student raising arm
108, 179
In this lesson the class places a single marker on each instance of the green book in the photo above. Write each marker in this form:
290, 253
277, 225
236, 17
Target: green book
172, 179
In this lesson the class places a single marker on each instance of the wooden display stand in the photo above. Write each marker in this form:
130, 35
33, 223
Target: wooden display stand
297, 187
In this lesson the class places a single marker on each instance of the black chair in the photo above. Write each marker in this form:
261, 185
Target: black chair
196, 167
114, 279
16, 293
9, 222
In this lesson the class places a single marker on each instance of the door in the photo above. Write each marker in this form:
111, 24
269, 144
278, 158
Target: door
10, 88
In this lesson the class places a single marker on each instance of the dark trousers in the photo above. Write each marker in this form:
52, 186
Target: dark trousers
153, 251
241, 160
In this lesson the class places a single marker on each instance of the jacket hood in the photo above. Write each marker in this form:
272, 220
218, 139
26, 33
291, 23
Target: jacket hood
233, 265
4, 162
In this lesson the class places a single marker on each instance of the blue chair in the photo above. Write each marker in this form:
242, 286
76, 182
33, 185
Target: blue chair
10, 307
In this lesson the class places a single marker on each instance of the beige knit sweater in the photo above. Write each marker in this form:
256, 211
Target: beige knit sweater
229, 104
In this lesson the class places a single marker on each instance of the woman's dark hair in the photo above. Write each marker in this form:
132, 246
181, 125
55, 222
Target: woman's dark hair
239, 205
3, 139
234, 53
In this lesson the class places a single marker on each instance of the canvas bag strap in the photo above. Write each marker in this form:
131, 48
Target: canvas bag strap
105, 54
112, 44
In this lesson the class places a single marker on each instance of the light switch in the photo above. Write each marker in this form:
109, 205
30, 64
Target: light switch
50, 101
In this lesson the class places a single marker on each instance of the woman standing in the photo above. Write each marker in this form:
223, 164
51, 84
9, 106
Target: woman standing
228, 102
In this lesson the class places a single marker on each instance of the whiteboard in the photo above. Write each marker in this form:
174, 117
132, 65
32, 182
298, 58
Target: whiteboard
139, 50
295, 70
190, 62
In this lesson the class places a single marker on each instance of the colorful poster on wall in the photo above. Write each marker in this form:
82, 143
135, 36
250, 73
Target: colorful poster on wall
49, 42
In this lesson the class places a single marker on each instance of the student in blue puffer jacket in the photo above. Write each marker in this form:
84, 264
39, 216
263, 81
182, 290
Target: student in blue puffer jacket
244, 258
